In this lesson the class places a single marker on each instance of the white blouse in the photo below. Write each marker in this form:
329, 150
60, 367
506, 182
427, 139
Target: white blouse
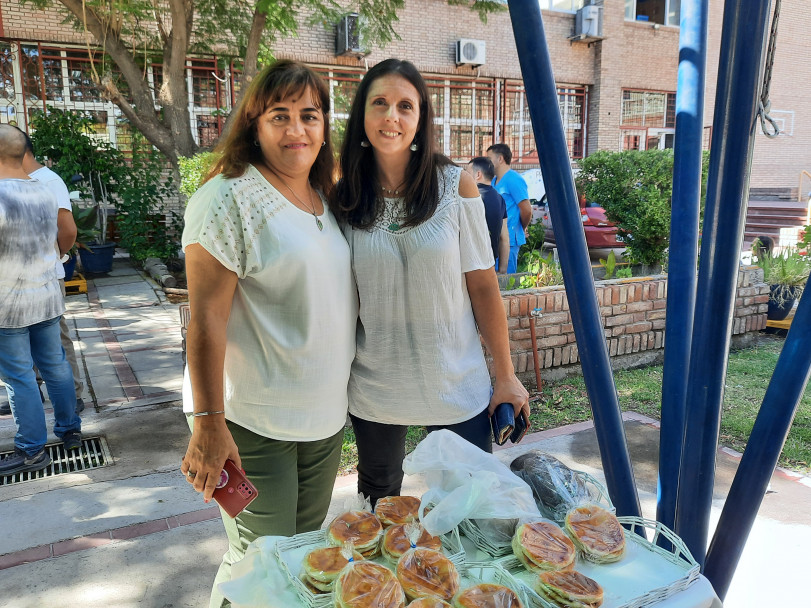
291, 333
419, 359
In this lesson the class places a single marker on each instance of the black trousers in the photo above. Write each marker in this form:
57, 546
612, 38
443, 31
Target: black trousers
381, 450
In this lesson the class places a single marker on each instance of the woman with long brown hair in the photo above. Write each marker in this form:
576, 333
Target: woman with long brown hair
273, 313
424, 268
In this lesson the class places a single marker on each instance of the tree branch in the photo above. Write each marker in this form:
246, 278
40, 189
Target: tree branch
250, 66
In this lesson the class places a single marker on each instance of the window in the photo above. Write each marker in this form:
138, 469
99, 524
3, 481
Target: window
648, 120
569, 6
665, 12
6, 72
80, 80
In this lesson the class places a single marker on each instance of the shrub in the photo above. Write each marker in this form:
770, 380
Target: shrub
635, 189
193, 171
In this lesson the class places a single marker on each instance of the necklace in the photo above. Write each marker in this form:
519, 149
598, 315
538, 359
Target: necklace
391, 191
311, 205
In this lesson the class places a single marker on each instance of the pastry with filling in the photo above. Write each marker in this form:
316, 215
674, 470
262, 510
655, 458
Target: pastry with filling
368, 585
322, 566
425, 572
570, 589
395, 542
361, 528
487, 595
542, 546
393, 510
597, 533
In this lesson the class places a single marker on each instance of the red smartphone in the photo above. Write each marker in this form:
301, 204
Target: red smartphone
234, 492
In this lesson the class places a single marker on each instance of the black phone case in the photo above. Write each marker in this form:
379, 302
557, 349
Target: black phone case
521, 426
503, 423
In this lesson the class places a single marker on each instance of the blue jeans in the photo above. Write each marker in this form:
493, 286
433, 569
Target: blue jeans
20, 349
512, 263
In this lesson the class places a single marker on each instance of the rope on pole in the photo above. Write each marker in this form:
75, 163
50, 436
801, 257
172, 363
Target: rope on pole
765, 103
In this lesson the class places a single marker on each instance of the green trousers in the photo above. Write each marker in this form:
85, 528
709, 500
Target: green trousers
294, 481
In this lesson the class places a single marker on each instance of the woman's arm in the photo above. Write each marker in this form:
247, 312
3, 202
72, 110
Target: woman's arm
211, 291
488, 309
482, 286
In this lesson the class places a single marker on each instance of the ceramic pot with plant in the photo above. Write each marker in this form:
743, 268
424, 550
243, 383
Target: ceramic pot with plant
786, 273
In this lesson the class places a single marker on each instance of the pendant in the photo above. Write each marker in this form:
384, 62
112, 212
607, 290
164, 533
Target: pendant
394, 226
318, 223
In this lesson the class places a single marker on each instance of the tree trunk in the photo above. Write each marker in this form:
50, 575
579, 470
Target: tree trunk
249, 67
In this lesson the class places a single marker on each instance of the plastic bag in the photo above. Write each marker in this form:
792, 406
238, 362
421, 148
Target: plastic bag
362, 584
556, 487
490, 595
465, 482
569, 588
357, 525
424, 572
402, 537
498, 531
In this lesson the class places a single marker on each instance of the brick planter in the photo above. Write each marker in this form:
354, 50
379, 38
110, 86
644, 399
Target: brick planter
633, 312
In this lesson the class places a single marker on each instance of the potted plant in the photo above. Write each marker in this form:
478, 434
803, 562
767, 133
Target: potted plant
786, 273
86, 232
97, 255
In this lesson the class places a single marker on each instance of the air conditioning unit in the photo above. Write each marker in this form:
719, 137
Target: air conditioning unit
589, 22
470, 52
347, 36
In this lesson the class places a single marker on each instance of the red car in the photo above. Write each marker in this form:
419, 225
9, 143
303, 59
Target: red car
600, 233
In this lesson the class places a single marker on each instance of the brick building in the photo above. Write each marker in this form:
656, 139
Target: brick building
616, 92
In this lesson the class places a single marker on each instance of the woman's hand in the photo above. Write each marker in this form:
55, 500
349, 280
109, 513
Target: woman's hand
210, 445
510, 390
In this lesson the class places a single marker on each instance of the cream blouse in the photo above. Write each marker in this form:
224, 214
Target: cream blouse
419, 359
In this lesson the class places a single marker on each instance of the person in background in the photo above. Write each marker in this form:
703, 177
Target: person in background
31, 305
67, 234
424, 269
513, 188
495, 210
273, 304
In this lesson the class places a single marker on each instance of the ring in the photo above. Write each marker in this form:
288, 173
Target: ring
191, 475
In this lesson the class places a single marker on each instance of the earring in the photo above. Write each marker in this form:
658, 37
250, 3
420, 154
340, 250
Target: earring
323, 143
364, 144
413, 146
255, 143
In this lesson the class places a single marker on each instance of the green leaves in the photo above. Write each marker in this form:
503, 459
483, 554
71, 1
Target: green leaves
635, 189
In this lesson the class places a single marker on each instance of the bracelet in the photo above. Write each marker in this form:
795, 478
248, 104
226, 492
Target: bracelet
196, 414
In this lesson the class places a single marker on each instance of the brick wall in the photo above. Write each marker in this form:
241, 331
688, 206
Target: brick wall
633, 313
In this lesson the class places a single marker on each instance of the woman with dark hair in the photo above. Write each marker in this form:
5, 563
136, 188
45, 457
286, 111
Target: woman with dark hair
424, 268
268, 361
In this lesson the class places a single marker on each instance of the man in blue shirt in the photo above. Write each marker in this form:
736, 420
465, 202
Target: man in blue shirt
512, 187
495, 211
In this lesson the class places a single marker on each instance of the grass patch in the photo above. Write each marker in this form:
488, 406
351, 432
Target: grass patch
748, 374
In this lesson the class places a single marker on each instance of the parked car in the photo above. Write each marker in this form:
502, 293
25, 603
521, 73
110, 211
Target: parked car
600, 232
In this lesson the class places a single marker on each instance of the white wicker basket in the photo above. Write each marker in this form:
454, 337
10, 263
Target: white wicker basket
679, 556
451, 545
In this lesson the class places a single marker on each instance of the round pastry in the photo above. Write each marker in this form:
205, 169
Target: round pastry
597, 533
429, 602
366, 585
424, 572
395, 542
542, 545
362, 528
325, 564
393, 510
487, 595
316, 587
570, 589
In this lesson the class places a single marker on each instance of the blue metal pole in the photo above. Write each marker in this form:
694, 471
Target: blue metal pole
536, 67
683, 255
742, 42
762, 451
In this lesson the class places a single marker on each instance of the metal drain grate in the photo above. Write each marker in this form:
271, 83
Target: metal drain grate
93, 454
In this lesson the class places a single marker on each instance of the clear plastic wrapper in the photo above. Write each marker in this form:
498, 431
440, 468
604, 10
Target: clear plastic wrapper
466, 483
357, 525
570, 589
596, 532
425, 572
556, 487
393, 510
400, 538
321, 567
365, 584
496, 531
429, 602
487, 595
543, 545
